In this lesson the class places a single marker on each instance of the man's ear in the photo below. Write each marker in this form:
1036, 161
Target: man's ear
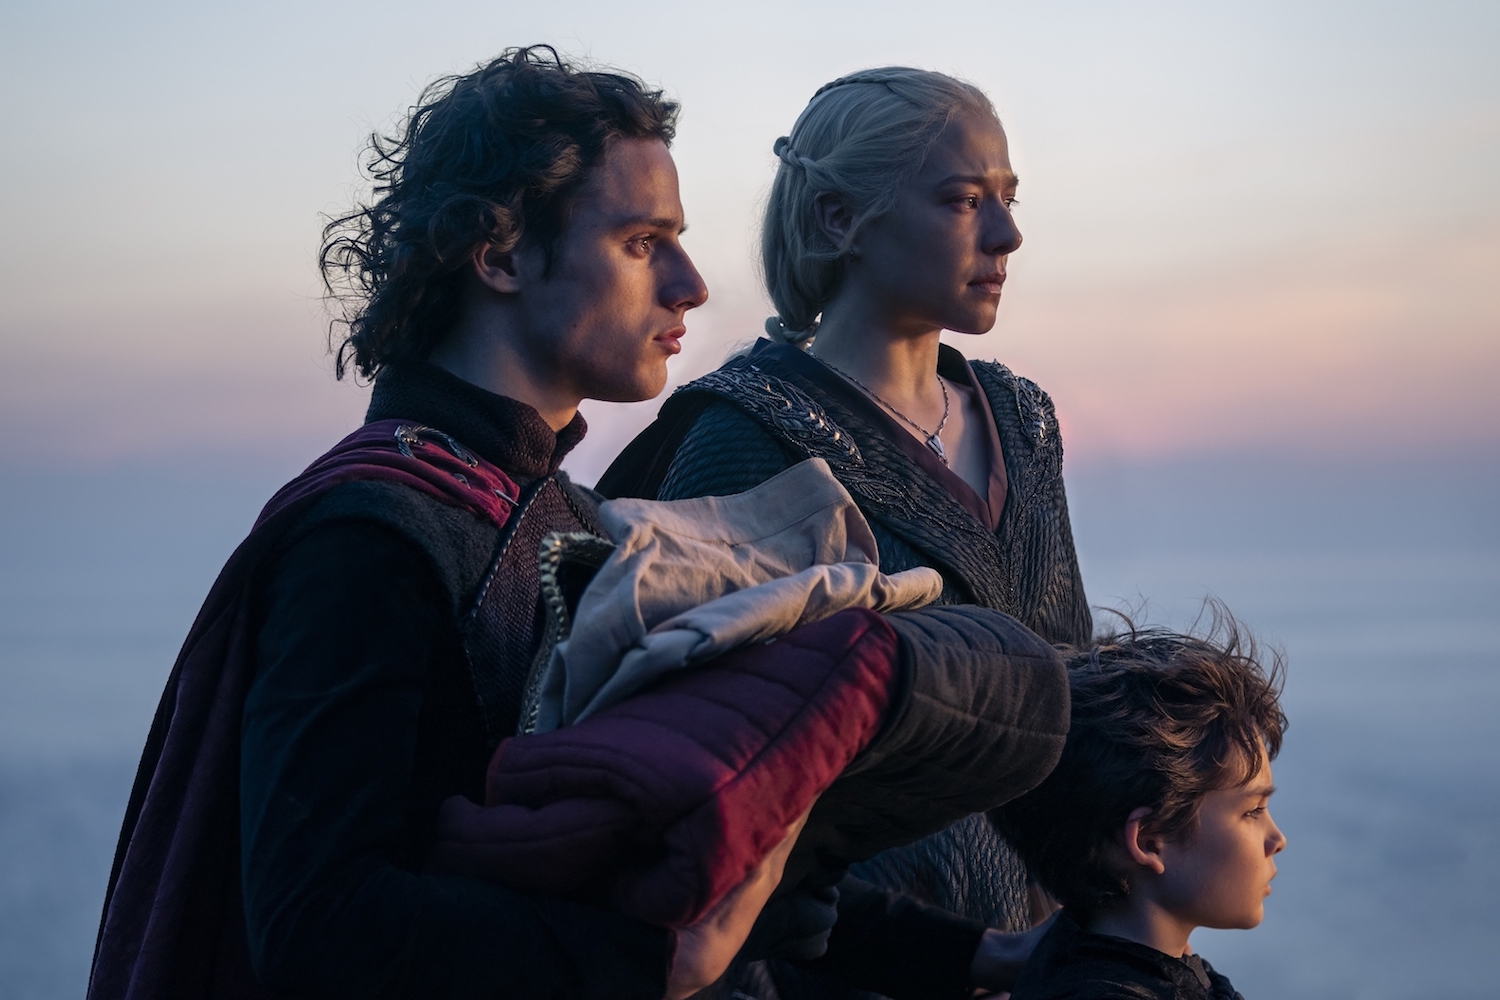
1143, 845
834, 218
496, 269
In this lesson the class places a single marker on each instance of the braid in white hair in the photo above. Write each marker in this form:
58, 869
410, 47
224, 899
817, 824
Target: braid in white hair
782, 147
886, 76
776, 327
778, 331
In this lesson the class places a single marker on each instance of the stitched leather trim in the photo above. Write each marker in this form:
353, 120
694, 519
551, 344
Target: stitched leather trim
802, 422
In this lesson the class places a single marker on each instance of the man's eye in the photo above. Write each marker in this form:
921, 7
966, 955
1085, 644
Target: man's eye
1012, 202
642, 244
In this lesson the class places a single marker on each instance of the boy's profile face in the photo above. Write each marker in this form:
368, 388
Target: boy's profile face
1219, 874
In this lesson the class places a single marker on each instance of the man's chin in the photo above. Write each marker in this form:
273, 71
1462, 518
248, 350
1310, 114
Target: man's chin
633, 392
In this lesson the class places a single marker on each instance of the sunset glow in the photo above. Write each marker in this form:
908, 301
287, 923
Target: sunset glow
1252, 228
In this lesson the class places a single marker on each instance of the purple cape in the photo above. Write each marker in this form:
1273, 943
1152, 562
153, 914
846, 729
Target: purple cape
173, 920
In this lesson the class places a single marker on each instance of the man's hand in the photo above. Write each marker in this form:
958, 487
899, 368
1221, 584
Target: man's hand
705, 948
998, 960
795, 925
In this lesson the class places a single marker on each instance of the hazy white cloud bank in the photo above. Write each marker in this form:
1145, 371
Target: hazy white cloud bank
1253, 226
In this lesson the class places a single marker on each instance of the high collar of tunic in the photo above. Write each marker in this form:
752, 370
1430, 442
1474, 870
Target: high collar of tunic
1075, 964
505, 431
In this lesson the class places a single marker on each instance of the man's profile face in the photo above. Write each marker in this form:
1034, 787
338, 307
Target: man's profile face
608, 313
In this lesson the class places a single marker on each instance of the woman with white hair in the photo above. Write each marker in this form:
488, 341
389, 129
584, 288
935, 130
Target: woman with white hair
889, 221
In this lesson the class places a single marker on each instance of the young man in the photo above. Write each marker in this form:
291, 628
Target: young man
1156, 820
369, 644
365, 647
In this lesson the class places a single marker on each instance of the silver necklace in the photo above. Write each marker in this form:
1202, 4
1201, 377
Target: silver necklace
933, 441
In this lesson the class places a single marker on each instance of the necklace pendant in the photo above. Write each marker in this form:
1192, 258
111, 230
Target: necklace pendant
936, 444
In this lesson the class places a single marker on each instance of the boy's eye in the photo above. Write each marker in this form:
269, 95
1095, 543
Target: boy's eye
1257, 812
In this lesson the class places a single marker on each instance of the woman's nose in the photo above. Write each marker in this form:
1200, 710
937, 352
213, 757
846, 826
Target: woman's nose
1002, 236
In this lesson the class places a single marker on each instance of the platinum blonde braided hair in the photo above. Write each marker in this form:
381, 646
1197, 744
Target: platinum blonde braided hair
862, 137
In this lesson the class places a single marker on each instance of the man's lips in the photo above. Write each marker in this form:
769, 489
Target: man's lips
671, 339
989, 283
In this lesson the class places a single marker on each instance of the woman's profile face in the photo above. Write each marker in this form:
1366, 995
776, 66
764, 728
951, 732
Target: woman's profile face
937, 259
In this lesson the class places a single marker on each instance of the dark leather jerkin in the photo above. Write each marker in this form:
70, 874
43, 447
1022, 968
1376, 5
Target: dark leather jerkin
505, 628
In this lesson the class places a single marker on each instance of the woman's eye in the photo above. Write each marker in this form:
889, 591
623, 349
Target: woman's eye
1012, 202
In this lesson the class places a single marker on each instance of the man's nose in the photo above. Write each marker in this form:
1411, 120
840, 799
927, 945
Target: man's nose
684, 288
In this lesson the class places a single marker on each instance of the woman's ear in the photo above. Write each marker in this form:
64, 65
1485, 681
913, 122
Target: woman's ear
496, 269
1143, 845
834, 218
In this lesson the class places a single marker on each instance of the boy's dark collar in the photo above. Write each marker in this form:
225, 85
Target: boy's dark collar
1069, 949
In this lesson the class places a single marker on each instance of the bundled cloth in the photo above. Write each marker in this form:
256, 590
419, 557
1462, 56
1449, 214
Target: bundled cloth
661, 804
690, 580
656, 788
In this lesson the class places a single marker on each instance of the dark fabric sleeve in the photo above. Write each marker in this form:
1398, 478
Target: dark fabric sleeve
725, 452
982, 718
898, 947
1063, 613
1036, 530
335, 905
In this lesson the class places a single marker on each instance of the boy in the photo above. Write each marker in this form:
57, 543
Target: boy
1155, 821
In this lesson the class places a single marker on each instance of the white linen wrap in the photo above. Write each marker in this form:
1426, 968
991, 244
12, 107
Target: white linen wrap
691, 579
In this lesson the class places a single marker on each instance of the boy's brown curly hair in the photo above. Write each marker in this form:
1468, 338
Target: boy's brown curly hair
1159, 719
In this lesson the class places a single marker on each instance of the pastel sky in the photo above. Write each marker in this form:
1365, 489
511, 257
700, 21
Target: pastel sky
1248, 225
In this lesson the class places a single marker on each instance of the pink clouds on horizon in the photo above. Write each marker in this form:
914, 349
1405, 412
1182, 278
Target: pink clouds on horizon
1329, 354
1322, 354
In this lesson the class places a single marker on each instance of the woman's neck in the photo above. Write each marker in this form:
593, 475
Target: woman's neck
898, 364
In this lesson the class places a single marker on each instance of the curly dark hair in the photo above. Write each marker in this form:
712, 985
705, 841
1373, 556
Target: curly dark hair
491, 157
1159, 719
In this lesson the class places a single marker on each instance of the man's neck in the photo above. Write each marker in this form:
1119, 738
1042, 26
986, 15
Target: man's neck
487, 359
1144, 922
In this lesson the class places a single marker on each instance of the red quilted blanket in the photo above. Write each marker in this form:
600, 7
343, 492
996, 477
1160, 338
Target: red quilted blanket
662, 804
